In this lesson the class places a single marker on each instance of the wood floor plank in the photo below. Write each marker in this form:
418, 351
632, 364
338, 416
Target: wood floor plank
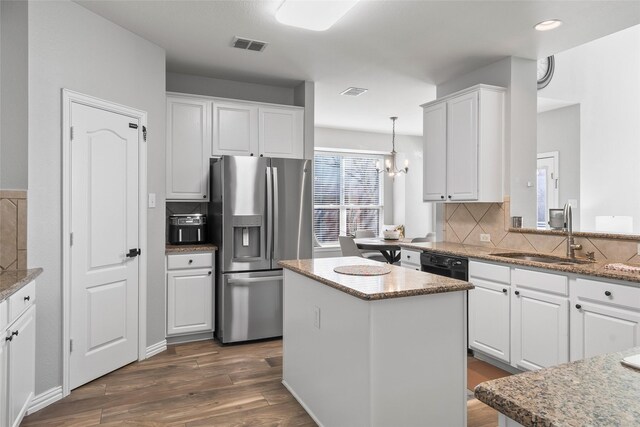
204, 384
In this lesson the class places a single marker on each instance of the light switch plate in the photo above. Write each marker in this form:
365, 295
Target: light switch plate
152, 200
485, 237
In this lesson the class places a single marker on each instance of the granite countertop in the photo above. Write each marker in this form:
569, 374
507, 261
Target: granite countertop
400, 282
595, 269
592, 392
177, 249
12, 281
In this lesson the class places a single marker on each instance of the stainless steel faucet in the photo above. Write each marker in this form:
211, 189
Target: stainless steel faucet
572, 247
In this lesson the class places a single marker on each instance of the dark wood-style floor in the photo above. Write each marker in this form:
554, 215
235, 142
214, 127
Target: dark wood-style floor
205, 384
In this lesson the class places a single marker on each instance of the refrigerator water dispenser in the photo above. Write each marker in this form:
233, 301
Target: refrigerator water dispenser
246, 236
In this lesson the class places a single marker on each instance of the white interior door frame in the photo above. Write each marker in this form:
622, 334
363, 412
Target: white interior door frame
68, 98
555, 174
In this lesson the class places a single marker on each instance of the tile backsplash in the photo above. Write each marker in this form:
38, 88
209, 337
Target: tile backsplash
465, 222
13, 230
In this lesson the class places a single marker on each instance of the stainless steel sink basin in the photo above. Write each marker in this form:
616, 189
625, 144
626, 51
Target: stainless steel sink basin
547, 259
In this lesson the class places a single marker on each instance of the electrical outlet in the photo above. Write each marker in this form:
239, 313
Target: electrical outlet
485, 237
638, 248
152, 200
316, 317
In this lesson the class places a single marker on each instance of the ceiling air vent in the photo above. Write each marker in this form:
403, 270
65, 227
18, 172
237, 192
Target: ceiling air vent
248, 44
353, 91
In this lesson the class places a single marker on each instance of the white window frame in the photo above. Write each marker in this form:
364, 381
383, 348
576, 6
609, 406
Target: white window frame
342, 207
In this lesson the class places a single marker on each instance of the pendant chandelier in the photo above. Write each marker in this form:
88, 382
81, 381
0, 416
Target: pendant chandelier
390, 166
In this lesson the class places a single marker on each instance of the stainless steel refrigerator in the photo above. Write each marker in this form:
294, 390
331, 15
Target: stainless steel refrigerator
260, 212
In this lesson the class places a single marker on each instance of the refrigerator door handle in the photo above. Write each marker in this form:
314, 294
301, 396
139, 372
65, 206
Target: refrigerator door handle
248, 281
269, 245
276, 218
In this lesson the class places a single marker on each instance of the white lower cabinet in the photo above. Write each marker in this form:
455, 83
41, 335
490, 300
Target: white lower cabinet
489, 310
190, 307
605, 318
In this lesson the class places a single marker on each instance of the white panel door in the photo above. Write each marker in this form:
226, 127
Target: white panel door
434, 174
599, 329
104, 223
281, 132
188, 139
540, 330
489, 318
234, 129
189, 301
22, 365
462, 147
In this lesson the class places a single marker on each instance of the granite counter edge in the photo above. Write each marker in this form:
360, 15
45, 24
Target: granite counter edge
14, 287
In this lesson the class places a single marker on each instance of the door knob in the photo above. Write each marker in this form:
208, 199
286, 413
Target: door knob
442, 197
209, 273
504, 291
517, 292
449, 196
607, 293
578, 306
190, 261
133, 253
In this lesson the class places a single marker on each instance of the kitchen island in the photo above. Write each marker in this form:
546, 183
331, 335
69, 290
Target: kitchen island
599, 391
375, 350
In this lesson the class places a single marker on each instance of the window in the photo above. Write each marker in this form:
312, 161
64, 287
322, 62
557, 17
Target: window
347, 195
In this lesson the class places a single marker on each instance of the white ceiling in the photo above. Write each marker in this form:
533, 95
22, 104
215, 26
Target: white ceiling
397, 49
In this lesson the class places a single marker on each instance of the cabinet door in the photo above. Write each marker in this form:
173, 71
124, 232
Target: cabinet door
22, 365
462, 147
434, 174
188, 133
234, 129
189, 301
489, 309
540, 329
598, 329
281, 132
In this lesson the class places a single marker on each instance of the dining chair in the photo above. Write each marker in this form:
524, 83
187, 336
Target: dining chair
431, 237
364, 233
349, 248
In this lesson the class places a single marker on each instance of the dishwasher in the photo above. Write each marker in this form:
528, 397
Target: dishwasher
448, 266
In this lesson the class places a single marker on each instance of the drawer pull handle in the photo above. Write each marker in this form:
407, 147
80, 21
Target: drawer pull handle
517, 292
190, 261
15, 333
578, 306
209, 273
408, 256
504, 290
27, 298
607, 293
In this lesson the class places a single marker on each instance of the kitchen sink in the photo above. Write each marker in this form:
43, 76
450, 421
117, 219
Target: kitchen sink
547, 259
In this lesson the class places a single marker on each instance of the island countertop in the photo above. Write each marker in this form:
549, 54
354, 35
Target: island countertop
594, 269
400, 282
599, 391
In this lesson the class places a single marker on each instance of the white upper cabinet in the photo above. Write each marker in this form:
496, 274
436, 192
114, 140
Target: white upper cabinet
435, 152
188, 136
234, 129
463, 146
281, 132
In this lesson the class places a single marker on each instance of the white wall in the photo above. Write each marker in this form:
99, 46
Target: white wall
403, 196
559, 130
70, 47
518, 75
13, 95
603, 76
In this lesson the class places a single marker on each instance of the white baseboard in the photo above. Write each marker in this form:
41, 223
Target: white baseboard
304, 405
156, 348
45, 399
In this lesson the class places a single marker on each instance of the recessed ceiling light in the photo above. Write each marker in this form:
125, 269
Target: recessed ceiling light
550, 24
354, 91
311, 14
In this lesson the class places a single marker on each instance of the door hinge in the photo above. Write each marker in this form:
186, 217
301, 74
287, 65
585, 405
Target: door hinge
71, 133
70, 239
70, 346
144, 133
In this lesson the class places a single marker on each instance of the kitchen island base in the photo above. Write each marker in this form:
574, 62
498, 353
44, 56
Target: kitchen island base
384, 362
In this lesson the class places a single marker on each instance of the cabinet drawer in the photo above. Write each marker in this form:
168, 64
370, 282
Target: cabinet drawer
410, 257
3, 315
491, 272
538, 281
609, 293
200, 260
21, 300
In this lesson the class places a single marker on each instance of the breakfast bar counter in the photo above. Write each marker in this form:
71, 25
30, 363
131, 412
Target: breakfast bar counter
374, 350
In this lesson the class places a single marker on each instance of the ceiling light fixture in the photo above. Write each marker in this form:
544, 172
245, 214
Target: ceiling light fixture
550, 24
312, 14
390, 164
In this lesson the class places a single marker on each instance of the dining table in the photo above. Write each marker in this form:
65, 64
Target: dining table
389, 248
